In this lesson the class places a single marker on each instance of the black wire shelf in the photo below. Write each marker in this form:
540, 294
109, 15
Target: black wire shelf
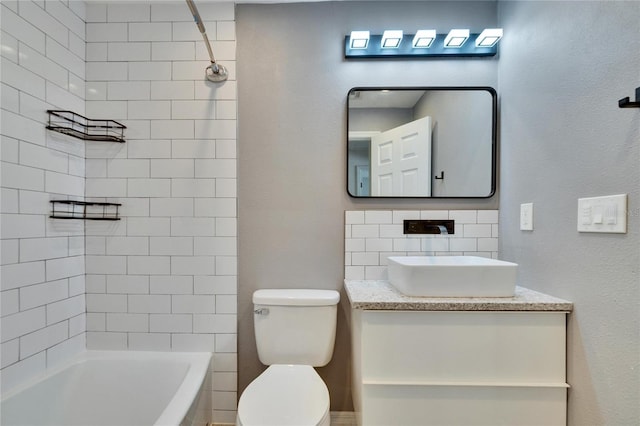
85, 210
76, 125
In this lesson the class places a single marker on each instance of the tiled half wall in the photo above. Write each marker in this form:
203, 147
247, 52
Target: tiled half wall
373, 235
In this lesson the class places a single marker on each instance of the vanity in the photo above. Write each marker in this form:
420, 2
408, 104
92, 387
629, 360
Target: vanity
455, 360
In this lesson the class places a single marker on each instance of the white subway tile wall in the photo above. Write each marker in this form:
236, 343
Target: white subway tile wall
373, 235
43, 266
164, 277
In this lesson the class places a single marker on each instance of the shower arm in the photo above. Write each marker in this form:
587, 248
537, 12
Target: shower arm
216, 69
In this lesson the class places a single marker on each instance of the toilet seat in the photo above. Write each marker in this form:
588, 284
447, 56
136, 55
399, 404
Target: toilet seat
285, 395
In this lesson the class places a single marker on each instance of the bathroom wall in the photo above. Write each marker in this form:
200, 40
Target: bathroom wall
164, 277
43, 283
292, 145
563, 68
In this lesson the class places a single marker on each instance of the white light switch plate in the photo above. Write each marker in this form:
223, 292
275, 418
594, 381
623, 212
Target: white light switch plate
603, 214
526, 217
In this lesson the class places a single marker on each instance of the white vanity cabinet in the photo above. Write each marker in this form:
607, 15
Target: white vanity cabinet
492, 364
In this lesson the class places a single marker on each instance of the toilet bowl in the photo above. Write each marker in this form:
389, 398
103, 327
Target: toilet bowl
285, 395
295, 331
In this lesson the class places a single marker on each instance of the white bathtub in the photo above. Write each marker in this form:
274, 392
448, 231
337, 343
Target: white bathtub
112, 388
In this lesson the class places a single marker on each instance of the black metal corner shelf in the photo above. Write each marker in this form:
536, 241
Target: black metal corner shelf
76, 125
626, 102
86, 210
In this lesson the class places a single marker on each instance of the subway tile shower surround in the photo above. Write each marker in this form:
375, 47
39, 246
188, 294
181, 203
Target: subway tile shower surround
165, 276
373, 235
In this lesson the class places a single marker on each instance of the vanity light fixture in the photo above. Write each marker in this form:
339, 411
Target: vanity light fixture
423, 44
456, 38
489, 37
359, 39
391, 39
424, 39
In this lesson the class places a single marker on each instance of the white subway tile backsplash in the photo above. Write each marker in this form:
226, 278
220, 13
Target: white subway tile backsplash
42, 294
171, 12
10, 302
193, 265
370, 240
43, 248
149, 148
22, 30
44, 67
149, 187
128, 245
127, 90
104, 341
172, 168
69, 19
150, 342
106, 71
127, 12
149, 265
22, 226
45, 22
127, 322
39, 340
106, 264
173, 51
170, 207
66, 58
152, 71
22, 323
149, 110
127, 284
19, 78
97, 32
193, 342
171, 285
106, 303
197, 188
150, 31
172, 90
148, 226
171, 246
171, 323
97, 187
67, 308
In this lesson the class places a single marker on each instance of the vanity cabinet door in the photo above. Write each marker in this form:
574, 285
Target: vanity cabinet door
460, 368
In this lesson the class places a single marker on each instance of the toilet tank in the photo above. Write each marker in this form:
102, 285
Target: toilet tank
295, 326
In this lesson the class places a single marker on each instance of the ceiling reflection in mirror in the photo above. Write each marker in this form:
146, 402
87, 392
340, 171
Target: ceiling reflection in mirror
421, 142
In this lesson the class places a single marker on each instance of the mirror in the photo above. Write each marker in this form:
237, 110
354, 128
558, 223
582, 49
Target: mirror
421, 142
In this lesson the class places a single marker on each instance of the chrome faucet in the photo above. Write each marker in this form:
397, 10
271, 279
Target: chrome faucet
443, 229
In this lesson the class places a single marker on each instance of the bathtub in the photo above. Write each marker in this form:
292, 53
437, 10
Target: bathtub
113, 388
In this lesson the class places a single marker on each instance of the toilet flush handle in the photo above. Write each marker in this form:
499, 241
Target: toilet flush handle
261, 311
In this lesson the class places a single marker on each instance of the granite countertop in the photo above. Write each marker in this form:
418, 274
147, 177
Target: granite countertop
381, 295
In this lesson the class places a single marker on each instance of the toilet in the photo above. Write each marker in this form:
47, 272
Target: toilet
295, 331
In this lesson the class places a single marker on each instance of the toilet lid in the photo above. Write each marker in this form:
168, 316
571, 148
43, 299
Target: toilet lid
284, 395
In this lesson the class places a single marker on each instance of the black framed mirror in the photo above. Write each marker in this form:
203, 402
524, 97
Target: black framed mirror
421, 142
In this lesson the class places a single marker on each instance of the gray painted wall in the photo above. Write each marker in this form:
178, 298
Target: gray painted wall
563, 67
292, 93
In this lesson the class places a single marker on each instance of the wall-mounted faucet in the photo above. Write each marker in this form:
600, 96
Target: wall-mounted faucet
416, 226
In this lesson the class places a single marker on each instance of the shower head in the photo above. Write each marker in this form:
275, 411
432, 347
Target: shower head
214, 72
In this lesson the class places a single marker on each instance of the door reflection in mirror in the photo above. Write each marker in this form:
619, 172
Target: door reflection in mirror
422, 142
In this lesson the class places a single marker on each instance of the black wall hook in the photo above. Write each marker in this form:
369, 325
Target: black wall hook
626, 102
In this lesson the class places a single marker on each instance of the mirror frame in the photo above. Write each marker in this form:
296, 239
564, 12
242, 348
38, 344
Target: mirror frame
494, 136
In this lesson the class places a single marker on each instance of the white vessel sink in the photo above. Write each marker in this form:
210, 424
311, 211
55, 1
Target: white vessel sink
452, 276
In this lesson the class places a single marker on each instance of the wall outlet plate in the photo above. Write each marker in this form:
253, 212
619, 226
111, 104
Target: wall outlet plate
603, 214
526, 217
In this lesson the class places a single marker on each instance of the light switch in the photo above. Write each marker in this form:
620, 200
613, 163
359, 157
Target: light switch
526, 217
603, 214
